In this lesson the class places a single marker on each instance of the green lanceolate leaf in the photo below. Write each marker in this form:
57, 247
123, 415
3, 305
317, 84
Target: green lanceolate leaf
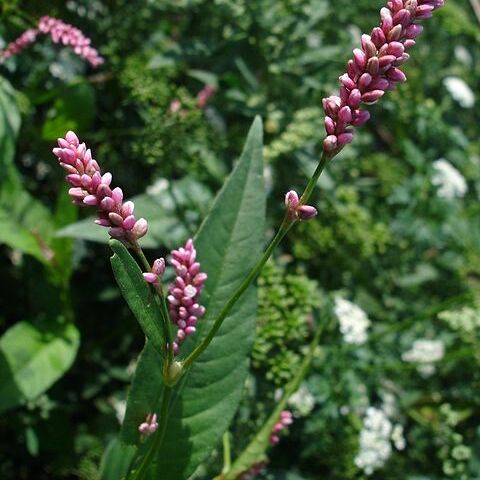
32, 358
228, 244
25, 224
116, 460
9, 126
138, 294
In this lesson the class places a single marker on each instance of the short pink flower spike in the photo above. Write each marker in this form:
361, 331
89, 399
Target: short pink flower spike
92, 188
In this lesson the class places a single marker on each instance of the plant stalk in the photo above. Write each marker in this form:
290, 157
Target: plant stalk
159, 436
285, 226
254, 453
227, 454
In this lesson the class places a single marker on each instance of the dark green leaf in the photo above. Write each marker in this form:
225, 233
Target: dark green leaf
32, 358
116, 460
228, 244
138, 294
74, 109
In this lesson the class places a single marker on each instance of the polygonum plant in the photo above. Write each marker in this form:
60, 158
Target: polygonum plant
61, 33
199, 327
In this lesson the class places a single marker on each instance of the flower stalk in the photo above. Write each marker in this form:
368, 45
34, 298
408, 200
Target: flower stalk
285, 226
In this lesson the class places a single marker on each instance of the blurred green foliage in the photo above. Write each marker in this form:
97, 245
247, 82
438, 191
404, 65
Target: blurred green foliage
384, 238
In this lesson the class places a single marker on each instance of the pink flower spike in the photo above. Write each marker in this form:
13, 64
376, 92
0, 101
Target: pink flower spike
91, 188
185, 291
286, 419
205, 95
22, 42
373, 69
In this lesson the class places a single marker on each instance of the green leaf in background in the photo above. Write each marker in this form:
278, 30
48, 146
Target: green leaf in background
9, 126
138, 294
228, 244
25, 224
73, 109
116, 460
32, 358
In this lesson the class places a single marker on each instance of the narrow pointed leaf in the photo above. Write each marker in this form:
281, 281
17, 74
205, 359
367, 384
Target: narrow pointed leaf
228, 244
32, 358
138, 294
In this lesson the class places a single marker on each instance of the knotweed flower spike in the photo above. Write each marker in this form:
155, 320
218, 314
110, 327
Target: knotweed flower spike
286, 419
204, 96
150, 425
92, 188
374, 68
296, 210
184, 292
22, 42
61, 33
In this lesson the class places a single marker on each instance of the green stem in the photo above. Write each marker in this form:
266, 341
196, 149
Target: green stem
282, 231
285, 226
227, 454
255, 450
157, 441
324, 159
161, 302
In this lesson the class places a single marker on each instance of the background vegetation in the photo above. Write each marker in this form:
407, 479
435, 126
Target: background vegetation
386, 238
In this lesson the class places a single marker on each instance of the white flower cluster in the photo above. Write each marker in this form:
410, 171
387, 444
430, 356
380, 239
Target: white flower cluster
375, 446
460, 91
466, 319
302, 401
377, 435
425, 353
450, 182
353, 320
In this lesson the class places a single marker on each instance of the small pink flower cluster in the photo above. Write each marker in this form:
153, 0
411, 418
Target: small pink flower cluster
150, 425
91, 188
296, 210
60, 32
22, 42
184, 292
158, 268
204, 96
286, 419
373, 68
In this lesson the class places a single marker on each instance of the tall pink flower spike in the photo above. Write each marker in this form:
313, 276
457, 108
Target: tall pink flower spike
185, 291
150, 425
286, 419
91, 188
374, 68
60, 32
